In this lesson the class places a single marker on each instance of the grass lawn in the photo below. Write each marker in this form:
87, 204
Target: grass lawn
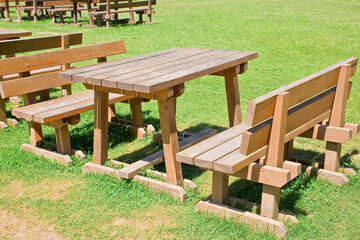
40, 199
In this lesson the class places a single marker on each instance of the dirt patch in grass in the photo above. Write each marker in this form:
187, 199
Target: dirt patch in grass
24, 226
151, 222
46, 189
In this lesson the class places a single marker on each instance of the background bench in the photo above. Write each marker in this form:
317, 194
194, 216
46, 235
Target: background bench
13, 47
61, 111
60, 8
272, 122
32, 7
106, 8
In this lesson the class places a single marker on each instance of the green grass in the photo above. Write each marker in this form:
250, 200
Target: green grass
293, 38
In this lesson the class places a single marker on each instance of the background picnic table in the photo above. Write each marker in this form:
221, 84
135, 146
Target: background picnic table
293, 39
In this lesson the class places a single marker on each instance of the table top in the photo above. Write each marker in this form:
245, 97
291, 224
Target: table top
156, 71
8, 34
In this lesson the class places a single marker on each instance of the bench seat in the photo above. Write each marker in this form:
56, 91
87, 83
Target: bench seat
120, 11
65, 9
61, 108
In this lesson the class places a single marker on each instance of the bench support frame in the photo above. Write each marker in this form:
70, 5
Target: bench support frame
130, 171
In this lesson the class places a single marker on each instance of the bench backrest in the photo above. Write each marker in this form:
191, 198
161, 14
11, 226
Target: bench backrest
118, 4
307, 102
39, 43
24, 64
58, 3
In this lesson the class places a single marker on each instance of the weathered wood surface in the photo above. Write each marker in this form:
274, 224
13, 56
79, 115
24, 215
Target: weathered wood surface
36, 43
55, 58
179, 65
254, 220
236, 148
63, 107
6, 34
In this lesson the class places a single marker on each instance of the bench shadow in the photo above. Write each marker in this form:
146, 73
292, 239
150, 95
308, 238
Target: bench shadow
292, 191
189, 171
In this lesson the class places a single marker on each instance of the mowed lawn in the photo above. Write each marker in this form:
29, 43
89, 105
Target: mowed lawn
40, 199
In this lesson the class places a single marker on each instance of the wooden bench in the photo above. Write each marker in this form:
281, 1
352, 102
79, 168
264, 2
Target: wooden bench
57, 113
272, 122
106, 8
12, 47
32, 7
60, 8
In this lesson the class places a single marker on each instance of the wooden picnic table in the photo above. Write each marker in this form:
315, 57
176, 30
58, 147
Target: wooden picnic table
159, 76
6, 34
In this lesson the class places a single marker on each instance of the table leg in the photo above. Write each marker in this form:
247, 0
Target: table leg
233, 96
170, 140
75, 12
101, 104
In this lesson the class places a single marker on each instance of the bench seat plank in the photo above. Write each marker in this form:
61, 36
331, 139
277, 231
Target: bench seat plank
63, 107
146, 66
188, 155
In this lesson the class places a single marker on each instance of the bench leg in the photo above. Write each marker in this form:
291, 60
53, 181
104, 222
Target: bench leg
233, 96
35, 130
220, 187
91, 18
332, 156
101, 106
28, 15
63, 140
149, 22
108, 22
112, 112
288, 150
136, 112
270, 199
62, 18
141, 18
170, 140
99, 21
66, 90
44, 95
3, 117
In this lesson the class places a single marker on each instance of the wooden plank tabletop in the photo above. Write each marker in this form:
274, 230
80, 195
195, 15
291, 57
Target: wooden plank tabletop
8, 34
156, 71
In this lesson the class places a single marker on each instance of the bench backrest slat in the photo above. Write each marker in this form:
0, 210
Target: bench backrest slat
56, 58
299, 119
31, 84
310, 101
118, 4
37, 43
58, 3
262, 107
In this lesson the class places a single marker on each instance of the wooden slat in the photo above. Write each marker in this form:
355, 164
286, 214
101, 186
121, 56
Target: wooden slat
207, 159
49, 59
126, 5
196, 71
81, 74
145, 67
300, 118
8, 34
31, 84
127, 81
27, 112
74, 108
37, 43
189, 154
264, 174
262, 108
